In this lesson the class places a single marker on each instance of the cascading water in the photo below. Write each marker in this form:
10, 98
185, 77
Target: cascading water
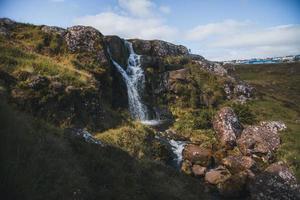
135, 79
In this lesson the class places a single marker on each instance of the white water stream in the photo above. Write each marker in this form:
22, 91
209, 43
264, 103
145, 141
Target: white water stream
134, 78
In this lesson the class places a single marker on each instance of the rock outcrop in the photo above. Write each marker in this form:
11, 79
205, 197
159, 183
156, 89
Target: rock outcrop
6, 25
227, 127
54, 29
118, 49
158, 48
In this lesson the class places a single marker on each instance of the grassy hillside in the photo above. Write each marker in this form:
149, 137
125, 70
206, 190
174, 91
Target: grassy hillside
278, 98
38, 159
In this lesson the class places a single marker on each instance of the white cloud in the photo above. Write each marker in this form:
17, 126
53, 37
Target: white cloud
273, 36
135, 19
110, 23
243, 39
226, 27
141, 8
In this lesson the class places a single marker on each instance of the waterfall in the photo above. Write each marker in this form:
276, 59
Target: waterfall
135, 80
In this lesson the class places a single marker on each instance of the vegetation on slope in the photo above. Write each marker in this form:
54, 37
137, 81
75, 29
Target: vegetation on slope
278, 92
39, 161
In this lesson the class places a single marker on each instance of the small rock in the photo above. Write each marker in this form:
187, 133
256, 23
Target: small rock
237, 164
217, 175
227, 127
198, 170
197, 155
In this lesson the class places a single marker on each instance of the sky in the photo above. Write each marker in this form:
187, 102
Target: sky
216, 29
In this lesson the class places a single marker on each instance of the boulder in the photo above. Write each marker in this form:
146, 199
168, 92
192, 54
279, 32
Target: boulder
262, 140
198, 170
89, 40
227, 127
158, 48
217, 175
237, 164
197, 155
276, 182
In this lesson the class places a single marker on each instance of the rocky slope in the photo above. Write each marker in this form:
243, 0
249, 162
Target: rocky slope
66, 78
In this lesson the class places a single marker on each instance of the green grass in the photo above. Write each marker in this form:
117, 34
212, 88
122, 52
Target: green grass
278, 98
14, 60
136, 139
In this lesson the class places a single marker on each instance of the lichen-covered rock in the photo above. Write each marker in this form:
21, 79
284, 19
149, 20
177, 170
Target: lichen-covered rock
54, 29
262, 140
276, 182
198, 170
211, 67
87, 39
237, 164
217, 175
197, 155
227, 127
239, 91
158, 48
273, 125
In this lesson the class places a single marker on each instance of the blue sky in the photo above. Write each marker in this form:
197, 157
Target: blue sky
216, 29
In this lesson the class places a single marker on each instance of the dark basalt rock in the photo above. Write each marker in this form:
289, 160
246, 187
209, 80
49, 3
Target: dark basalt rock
118, 49
276, 182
